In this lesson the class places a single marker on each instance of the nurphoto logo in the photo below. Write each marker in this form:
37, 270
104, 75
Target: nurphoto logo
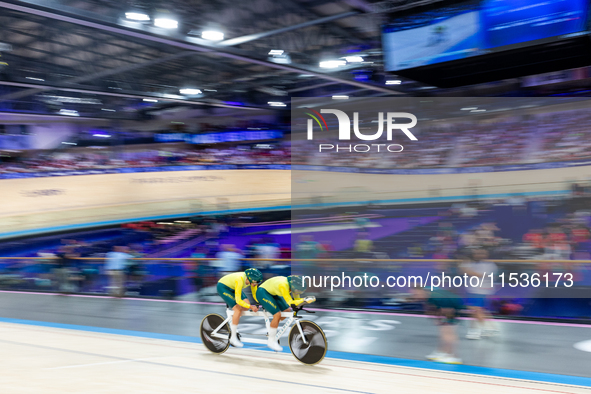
345, 130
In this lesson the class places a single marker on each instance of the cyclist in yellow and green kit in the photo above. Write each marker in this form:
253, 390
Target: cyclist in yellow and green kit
230, 288
275, 295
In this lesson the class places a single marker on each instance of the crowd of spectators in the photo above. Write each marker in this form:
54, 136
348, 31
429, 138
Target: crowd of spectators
560, 136
493, 144
565, 137
433, 148
118, 268
565, 238
157, 157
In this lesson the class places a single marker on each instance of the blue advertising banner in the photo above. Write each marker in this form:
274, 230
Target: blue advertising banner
228, 136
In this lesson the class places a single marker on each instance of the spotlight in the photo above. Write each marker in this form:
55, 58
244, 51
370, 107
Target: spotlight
354, 59
212, 35
190, 91
166, 23
137, 16
332, 63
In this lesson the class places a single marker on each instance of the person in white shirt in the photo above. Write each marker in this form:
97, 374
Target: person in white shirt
228, 260
268, 251
478, 295
115, 266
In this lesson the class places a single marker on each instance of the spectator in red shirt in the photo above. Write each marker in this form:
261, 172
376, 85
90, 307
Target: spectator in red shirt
557, 246
580, 234
556, 236
535, 239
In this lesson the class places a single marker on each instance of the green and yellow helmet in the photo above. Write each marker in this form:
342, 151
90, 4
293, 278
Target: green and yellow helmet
296, 284
254, 275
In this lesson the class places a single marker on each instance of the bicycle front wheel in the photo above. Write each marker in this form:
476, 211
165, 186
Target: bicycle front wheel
220, 342
314, 350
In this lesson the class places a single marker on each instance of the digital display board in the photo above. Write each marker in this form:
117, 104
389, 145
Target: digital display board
508, 22
477, 27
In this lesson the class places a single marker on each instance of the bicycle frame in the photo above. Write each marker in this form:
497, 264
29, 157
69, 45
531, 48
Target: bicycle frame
291, 318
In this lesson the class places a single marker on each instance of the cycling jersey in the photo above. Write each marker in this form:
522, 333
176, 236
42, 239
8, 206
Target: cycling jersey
236, 282
279, 287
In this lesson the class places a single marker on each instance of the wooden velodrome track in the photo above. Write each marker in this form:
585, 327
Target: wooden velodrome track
35, 203
48, 202
55, 360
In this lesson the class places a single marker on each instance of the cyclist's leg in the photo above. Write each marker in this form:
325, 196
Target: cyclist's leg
238, 310
282, 305
228, 296
270, 304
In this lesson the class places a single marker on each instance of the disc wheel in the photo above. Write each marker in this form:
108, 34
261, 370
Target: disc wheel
314, 351
208, 325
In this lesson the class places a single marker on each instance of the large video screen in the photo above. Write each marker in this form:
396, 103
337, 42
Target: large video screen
477, 27
508, 22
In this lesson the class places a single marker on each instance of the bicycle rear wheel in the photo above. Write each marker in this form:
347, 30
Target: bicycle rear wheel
314, 351
215, 344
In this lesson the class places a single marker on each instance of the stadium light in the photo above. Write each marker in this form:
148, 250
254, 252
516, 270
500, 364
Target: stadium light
150, 100
478, 110
137, 16
102, 135
68, 112
276, 52
190, 91
332, 63
468, 109
394, 82
354, 59
276, 104
108, 110
36, 79
340, 97
212, 35
166, 23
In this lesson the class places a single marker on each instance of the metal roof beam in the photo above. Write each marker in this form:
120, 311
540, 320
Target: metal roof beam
337, 29
192, 44
127, 95
48, 54
311, 87
102, 74
258, 36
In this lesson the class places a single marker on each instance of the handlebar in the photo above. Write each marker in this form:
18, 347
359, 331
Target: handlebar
307, 301
300, 308
296, 309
